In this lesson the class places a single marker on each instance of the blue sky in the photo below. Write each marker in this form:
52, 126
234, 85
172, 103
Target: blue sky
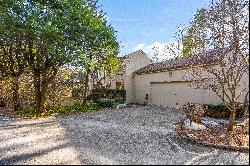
143, 23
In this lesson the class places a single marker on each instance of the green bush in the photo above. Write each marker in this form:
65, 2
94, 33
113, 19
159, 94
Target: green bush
67, 109
76, 92
30, 111
110, 103
97, 94
221, 111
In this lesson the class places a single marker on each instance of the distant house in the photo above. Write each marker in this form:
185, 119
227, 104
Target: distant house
164, 83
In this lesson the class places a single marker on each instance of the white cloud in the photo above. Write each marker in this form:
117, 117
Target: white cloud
158, 51
139, 47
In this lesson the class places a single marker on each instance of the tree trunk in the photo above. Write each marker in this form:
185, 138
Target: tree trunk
15, 94
38, 95
86, 86
232, 118
40, 84
44, 85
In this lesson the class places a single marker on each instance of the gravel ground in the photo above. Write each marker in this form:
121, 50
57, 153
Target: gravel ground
137, 135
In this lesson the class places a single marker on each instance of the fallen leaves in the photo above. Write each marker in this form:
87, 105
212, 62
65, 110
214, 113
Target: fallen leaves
217, 135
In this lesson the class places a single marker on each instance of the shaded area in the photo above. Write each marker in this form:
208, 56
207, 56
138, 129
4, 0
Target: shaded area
22, 157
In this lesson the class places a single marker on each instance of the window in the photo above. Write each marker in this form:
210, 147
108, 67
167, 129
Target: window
120, 85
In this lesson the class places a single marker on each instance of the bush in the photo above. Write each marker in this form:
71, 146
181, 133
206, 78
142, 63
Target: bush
97, 94
193, 111
2, 103
27, 111
117, 94
110, 103
221, 111
76, 92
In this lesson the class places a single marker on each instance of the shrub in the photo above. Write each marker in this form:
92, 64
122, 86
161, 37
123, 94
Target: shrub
193, 111
97, 94
2, 103
117, 94
221, 111
76, 92
110, 103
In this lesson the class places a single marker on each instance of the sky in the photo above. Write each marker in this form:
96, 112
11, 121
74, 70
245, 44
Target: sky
142, 24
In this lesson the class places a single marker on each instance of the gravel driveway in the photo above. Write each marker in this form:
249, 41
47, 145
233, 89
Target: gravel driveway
136, 135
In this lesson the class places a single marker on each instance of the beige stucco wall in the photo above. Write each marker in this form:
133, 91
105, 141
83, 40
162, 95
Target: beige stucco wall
136, 61
133, 62
152, 84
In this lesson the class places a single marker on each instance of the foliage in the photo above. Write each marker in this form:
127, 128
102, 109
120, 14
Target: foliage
2, 103
193, 112
110, 103
70, 109
221, 111
43, 36
76, 92
218, 38
192, 40
97, 94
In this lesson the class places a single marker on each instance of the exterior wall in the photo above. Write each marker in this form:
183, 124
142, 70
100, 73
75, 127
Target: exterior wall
136, 61
142, 83
113, 80
147, 84
131, 63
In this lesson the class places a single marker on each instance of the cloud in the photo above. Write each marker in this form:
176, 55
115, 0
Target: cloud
159, 51
139, 47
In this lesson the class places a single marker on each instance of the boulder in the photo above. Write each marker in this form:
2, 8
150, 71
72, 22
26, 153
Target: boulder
120, 106
192, 125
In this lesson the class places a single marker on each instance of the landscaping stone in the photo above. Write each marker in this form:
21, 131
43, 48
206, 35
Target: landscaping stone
120, 106
193, 125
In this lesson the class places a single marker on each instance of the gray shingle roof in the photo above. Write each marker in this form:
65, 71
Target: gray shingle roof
207, 57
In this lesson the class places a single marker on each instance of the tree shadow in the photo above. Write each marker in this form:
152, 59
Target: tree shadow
22, 157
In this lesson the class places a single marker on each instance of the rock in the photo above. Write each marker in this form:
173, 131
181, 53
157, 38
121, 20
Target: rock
120, 106
193, 125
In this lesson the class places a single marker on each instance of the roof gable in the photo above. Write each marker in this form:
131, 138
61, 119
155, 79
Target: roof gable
207, 57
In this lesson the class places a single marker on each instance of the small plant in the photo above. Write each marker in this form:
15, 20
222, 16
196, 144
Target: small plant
193, 111
97, 94
221, 111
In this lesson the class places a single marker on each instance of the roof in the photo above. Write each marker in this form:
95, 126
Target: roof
133, 53
123, 61
175, 63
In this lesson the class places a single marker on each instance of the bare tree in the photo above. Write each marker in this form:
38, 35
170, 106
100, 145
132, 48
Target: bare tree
219, 44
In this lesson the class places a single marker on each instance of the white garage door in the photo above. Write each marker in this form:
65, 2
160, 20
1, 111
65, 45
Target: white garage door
167, 94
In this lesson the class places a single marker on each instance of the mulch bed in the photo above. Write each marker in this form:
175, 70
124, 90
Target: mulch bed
217, 136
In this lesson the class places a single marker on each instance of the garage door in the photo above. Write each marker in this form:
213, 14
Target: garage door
167, 94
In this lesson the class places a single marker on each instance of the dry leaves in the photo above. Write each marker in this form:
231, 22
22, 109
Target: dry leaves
217, 135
